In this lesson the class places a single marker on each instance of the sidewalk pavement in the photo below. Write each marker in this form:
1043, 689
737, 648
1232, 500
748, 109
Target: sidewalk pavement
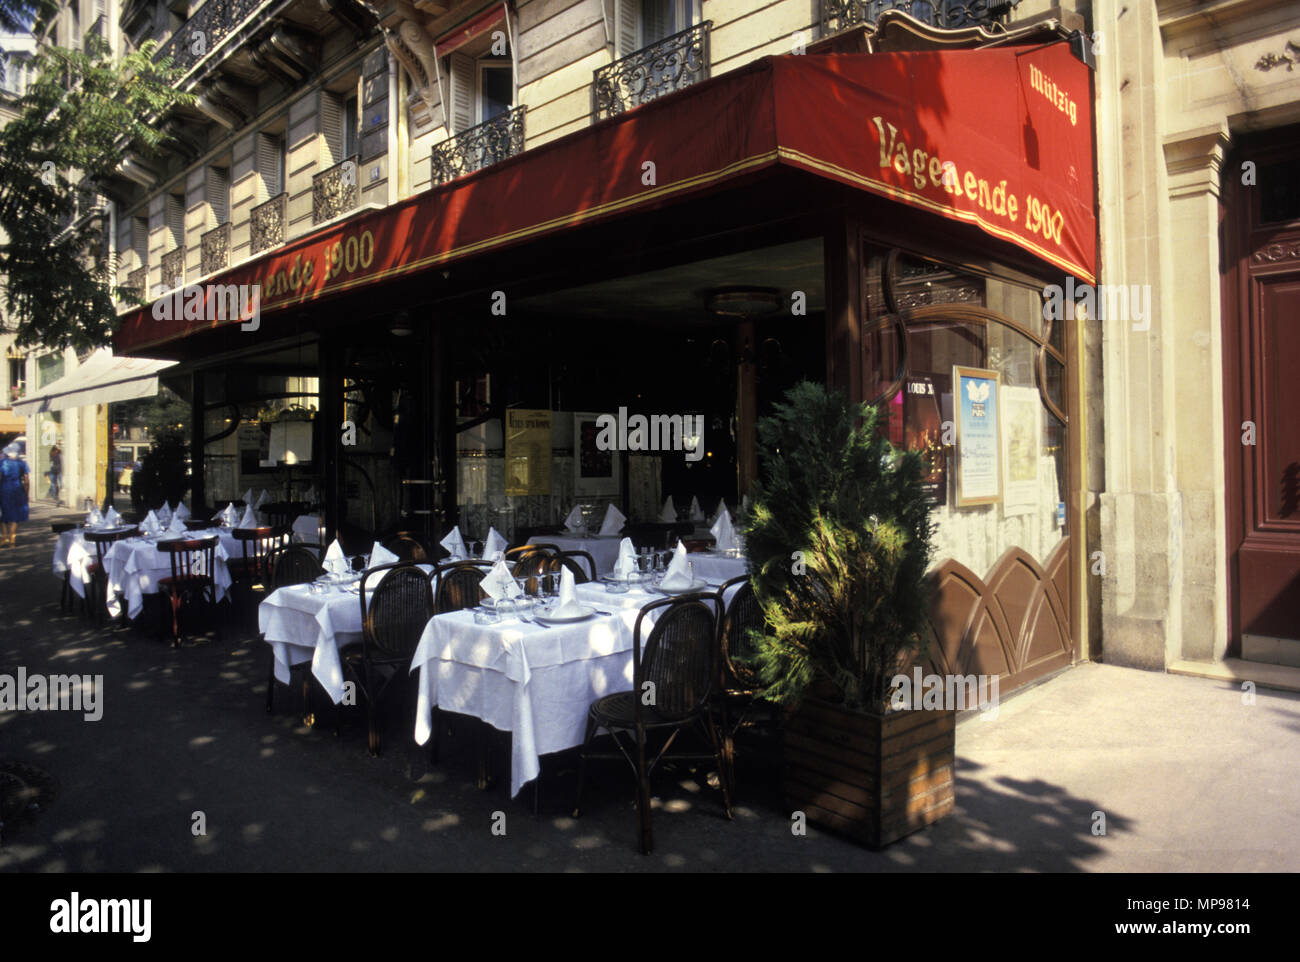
1187, 776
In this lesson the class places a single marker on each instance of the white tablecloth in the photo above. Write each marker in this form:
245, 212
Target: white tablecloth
73, 555
301, 626
715, 567
307, 527
135, 566
535, 681
603, 550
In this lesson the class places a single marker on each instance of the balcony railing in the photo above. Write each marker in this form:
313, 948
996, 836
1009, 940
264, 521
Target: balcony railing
215, 252
173, 268
334, 191
671, 64
138, 280
482, 146
840, 15
203, 33
267, 223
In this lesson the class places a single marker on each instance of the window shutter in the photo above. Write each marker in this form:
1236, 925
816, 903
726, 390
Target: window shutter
140, 240
269, 152
218, 194
331, 127
176, 220
461, 68
627, 16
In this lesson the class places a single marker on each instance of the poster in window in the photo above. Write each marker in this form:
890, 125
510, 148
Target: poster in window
528, 451
1022, 433
978, 430
923, 418
596, 471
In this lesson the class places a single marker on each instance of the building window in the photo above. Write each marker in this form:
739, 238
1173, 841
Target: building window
496, 88
17, 376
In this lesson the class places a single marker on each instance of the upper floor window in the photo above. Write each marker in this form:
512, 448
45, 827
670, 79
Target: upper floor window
641, 23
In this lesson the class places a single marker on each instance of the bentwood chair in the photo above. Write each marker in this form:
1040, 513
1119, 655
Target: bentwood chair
739, 693
396, 604
193, 566
66, 594
103, 542
582, 564
456, 584
532, 563
248, 572
407, 547
675, 669
293, 564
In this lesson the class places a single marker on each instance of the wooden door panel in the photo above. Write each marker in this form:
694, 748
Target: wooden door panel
1277, 334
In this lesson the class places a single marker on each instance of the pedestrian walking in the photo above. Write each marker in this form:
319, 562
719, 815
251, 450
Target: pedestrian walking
56, 474
13, 495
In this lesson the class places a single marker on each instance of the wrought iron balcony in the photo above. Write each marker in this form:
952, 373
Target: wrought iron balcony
173, 268
334, 191
837, 15
203, 32
267, 223
671, 64
138, 280
215, 252
482, 146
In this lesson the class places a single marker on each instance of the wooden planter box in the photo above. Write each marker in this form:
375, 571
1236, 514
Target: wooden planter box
874, 778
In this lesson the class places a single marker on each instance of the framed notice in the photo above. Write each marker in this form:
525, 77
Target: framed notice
595, 471
1022, 434
528, 451
979, 435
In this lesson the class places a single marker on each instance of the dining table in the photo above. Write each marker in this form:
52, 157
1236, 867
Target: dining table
536, 681
134, 567
603, 548
303, 623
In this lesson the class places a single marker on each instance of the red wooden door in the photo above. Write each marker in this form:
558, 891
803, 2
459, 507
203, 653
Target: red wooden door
1262, 396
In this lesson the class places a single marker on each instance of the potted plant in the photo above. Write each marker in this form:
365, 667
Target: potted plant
838, 536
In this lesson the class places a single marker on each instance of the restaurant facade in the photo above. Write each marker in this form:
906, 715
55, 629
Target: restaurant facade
434, 329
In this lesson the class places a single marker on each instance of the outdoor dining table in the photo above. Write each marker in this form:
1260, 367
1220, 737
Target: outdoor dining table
135, 566
717, 566
602, 548
301, 625
532, 680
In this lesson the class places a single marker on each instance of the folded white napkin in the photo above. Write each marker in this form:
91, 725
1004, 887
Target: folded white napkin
494, 548
500, 583
181, 511
626, 564
669, 513
574, 521
262, 499
723, 532
230, 515
335, 560
614, 521
697, 513
151, 524
176, 525
717, 512
567, 604
379, 555
112, 517
249, 520
248, 497
455, 544
93, 517
678, 575
164, 515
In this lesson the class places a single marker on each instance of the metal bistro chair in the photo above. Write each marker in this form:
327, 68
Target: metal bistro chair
739, 685
394, 613
193, 564
582, 564
293, 564
456, 584
531, 562
103, 541
675, 670
407, 547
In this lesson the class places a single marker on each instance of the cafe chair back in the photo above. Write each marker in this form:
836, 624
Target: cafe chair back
193, 562
582, 564
407, 547
674, 673
103, 541
290, 564
457, 584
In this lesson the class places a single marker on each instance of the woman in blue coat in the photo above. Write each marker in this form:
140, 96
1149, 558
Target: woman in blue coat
13, 494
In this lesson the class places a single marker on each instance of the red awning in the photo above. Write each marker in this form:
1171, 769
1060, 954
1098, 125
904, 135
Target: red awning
455, 39
1000, 138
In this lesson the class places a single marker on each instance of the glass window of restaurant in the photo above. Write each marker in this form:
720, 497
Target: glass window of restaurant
994, 486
